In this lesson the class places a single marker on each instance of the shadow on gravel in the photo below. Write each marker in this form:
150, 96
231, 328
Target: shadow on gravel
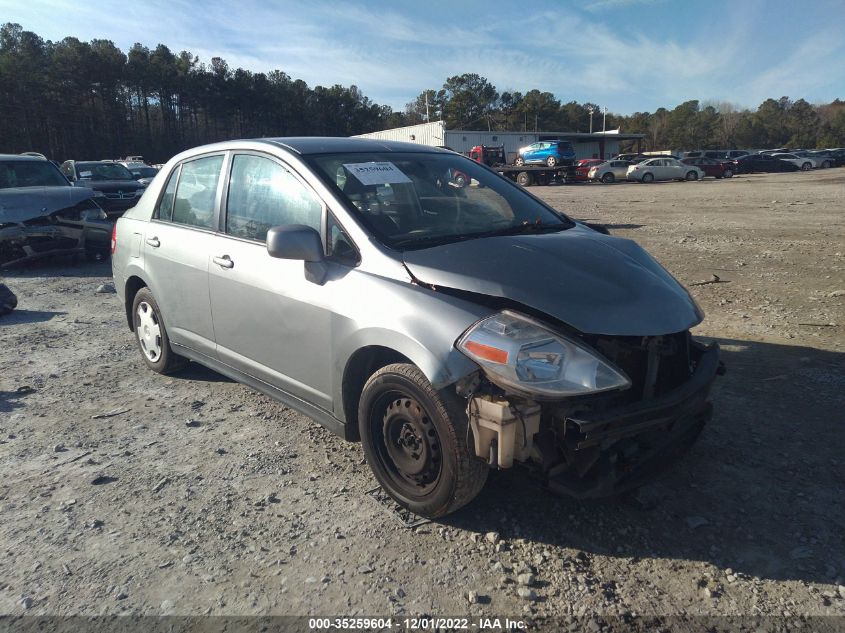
17, 317
195, 371
57, 267
760, 492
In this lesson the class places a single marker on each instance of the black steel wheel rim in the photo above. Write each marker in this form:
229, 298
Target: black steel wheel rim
406, 444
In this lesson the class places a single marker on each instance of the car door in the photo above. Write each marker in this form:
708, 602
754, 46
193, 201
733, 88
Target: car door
270, 321
177, 244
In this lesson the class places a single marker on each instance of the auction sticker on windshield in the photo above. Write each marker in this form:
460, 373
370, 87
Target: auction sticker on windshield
377, 173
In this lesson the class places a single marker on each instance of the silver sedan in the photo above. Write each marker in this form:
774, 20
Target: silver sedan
610, 171
450, 328
663, 169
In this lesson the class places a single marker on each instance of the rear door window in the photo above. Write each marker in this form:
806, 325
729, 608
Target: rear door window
263, 194
164, 209
197, 191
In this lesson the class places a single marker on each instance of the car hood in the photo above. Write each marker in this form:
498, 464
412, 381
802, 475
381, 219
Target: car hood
596, 283
111, 185
20, 204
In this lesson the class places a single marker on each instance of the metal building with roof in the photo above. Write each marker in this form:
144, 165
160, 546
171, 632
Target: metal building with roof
587, 145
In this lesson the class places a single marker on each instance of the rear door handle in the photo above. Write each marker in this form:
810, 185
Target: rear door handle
224, 262
153, 241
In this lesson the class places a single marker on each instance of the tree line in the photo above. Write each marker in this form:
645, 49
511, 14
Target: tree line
470, 101
89, 100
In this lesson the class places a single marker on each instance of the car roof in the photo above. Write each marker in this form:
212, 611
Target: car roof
34, 159
305, 145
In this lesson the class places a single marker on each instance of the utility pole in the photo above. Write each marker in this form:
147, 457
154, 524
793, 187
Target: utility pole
591, 109
427, 113
604, 119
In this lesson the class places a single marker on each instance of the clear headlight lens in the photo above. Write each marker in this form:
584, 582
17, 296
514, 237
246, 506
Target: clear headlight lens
518, 352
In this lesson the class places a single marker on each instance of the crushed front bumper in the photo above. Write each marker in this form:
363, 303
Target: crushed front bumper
611, 451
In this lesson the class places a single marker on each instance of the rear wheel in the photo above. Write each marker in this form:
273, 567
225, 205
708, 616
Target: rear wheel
806, 167
415, 441
519, 162
648, 177
524, 178
151, 334
551, 161
692, 175
728, 173
608, 178
826, 164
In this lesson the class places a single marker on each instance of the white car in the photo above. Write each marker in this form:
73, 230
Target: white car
805, 163
663, 169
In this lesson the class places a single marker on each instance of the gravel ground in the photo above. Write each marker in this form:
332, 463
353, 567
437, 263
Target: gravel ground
122, 491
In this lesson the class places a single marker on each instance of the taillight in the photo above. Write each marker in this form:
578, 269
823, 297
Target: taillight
113, 238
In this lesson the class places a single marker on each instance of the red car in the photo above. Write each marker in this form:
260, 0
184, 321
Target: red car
583, 166
712, 166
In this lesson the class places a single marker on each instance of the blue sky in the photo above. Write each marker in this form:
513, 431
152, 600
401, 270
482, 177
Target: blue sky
627, 55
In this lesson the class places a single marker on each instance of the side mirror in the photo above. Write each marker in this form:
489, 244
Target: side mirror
295, 241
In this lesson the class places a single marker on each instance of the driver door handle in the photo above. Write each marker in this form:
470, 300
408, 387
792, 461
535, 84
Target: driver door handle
153, 241
224, 261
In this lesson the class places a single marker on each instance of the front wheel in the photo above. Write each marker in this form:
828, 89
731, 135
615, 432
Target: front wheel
806, 167
519, 162
608, 178
153, 342
727, 173
415, 441
648, 177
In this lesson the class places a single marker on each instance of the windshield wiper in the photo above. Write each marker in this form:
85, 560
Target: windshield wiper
525, 227
514, 229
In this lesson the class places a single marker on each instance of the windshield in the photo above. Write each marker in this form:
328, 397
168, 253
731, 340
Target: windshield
415, 200
30, 173
103, 171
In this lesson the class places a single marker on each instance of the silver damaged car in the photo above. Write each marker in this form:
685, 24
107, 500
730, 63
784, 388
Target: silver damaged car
414, 300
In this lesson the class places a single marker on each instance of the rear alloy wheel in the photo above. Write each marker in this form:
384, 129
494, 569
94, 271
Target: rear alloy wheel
648, 177
692, 175
519, 162
524, 178
551, 161
608, 178
152, 338
728, 173
806, 167
415, 441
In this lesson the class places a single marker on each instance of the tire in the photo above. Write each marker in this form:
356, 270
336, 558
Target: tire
806, 167
608, 178
551, 161
691, 175
155, 348
728, 173
524, 178
648, 178
415, 442
519, 162
826, 164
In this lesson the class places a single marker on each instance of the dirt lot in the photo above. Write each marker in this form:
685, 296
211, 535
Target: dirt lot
202, 496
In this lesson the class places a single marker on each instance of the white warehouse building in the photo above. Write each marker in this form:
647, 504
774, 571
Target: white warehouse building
587, 145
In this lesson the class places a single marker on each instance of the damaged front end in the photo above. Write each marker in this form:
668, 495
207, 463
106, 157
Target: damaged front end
596, 415
78, 229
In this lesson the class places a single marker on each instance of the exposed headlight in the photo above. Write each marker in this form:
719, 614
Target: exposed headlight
518, 352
